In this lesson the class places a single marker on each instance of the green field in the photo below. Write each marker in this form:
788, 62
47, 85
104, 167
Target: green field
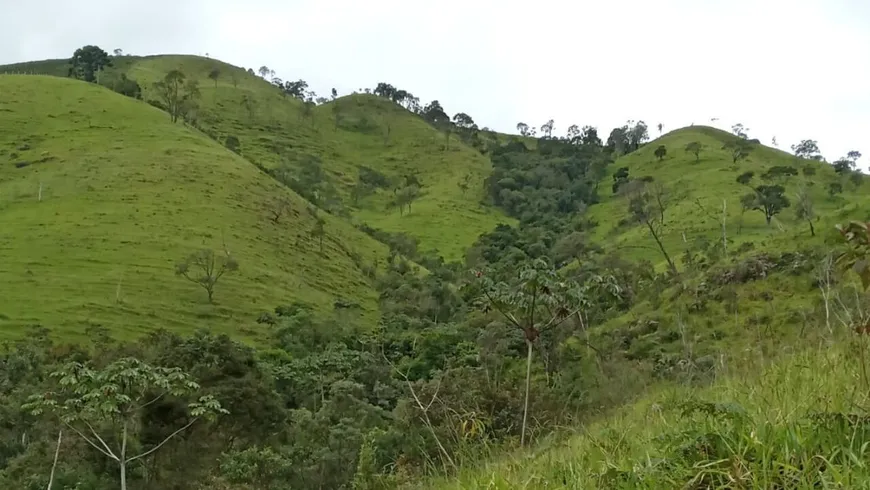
125, 194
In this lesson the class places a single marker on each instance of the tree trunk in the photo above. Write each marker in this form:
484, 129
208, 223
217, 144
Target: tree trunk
526, 403
210, 292
662, 248
123, 458
812, 228
54, 465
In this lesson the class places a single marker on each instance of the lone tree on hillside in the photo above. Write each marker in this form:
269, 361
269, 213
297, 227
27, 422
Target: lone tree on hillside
178, 94
695, 148
547, 128
808, 149
769, 199
739, 149
87, 62
233, 144
647, 204
264, 71
523, 128
847, 163
110, 404
205, 268
804, 208
278, 208
214, 74
318, 230
661, 152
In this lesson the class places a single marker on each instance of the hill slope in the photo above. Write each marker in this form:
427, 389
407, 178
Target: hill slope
345, 136
100, 195
695, 191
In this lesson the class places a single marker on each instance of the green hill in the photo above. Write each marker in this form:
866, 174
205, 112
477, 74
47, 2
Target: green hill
343, 136
100, 195
695, 191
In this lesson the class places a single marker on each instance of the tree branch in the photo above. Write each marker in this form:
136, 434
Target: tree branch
146, 453
98, 448
94, 432
495, 305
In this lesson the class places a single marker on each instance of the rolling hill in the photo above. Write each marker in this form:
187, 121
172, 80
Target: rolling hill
696, 189
100, 195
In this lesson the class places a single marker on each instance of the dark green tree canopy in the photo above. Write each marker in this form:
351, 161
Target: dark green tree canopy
88, 61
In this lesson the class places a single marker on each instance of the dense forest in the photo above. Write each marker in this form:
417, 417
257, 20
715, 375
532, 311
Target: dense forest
469, 358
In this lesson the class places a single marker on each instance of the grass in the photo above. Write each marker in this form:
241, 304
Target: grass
370, 132
697, 190
125, 194
798, 424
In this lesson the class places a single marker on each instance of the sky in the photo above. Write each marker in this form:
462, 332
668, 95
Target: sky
790, 69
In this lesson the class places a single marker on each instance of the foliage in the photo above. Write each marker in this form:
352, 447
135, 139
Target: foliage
770, 200
695, 148
87, 62
857, 258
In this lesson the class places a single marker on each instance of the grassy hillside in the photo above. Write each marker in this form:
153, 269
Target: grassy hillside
696, 191
125, 194
344, 135
787, 425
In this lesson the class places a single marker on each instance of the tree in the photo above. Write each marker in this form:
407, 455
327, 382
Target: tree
661, 152
779, 172
835, 188
647, 205
773, 141
334, 94
319, 229
637, 134
740, 131
278, 208
739, 149
178, 94
695, 148
745, 178
463, 121
660, 128
804, 208
232, 143
115, 399
118, 52
843, 166
214, 74
205, 268
808, 149
537, 300
847, 163
264, 71
770, 200
547, 128
523, 128
88, 61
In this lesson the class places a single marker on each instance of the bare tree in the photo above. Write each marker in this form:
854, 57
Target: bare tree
278, 208
204, 267
647, 205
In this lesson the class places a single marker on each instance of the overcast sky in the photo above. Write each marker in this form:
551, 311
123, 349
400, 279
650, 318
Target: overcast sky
792, 69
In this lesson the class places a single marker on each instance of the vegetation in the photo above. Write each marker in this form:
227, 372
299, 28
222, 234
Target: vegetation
449, 299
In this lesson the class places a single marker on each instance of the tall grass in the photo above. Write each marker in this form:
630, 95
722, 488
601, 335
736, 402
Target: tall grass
798, 423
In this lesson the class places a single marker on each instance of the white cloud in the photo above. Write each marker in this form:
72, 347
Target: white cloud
787, 68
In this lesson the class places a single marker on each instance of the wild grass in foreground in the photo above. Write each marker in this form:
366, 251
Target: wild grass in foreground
801, 423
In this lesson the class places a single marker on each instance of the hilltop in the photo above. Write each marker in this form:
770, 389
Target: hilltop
101, 195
